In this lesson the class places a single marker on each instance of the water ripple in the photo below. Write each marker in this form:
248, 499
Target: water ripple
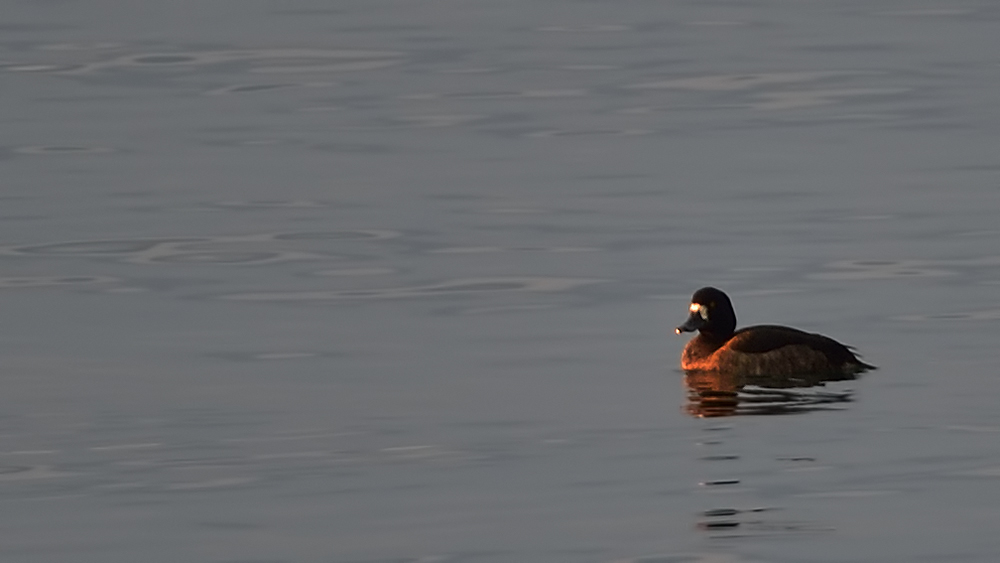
52, 281
583, 28
261, 60
589, 133
496, 249
498, 95
471, 285
772, 101
976, 315
269, 204
221, 250
879, 269
735, 82
62, 149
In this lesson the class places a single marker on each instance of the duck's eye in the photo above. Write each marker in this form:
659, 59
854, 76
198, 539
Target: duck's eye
700, 309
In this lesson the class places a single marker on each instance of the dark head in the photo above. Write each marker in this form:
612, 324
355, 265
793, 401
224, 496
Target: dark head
711, 314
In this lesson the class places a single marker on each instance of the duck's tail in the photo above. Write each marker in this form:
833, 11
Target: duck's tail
860, 366
856, 362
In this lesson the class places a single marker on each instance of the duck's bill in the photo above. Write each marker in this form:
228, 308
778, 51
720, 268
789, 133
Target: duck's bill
693, 323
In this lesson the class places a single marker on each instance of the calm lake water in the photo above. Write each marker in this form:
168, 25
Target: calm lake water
394, 281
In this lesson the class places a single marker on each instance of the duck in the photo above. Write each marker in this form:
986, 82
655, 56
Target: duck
771, 350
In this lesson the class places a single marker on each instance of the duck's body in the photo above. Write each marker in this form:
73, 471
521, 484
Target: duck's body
771, 350
757, 350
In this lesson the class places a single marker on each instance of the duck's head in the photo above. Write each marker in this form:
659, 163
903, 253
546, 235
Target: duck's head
711, 314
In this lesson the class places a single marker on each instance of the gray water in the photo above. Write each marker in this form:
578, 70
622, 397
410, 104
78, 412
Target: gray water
395, 281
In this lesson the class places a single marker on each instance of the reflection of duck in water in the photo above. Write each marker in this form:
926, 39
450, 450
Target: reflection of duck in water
721, 362
757, 350
718, 393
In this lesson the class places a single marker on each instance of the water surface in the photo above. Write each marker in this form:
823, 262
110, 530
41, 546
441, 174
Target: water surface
395, 281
